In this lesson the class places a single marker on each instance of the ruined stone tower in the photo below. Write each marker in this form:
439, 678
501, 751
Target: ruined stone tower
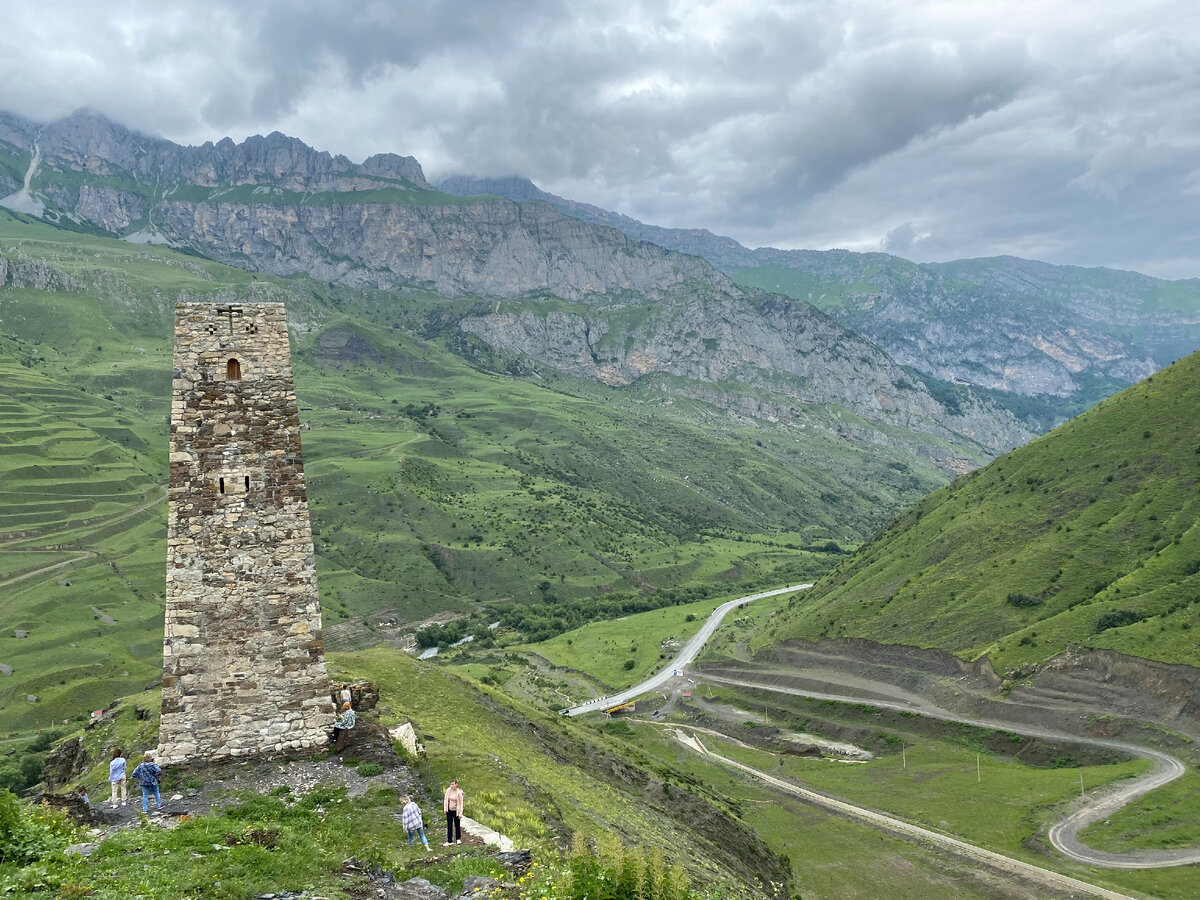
243, 657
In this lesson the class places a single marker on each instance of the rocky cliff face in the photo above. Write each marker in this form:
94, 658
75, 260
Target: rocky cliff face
790, 357
722, 252
1005, 324
985, 322
490, 247
374, 224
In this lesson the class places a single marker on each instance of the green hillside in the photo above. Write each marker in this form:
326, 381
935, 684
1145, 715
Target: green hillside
494, 489
1086, 536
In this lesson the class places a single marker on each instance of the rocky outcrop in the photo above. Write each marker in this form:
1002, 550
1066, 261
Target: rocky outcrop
81, 812
491, 247
35, 274
64, 763
793, 353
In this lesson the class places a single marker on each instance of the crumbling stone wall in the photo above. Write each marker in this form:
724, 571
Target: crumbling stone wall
243, 656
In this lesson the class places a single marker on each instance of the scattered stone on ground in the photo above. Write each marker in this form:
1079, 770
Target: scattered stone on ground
103, 616
5, 670
18, 633
228, 783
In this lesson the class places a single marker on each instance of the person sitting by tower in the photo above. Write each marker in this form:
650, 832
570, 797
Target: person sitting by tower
340, 728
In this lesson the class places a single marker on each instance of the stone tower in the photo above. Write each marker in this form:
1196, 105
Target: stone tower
243, 656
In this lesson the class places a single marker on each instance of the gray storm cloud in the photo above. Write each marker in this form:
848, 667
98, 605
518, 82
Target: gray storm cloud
1067, 132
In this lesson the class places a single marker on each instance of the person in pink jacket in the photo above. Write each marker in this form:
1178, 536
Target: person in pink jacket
452, 803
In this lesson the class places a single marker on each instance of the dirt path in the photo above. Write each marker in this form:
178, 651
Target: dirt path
1004, 864
1063, 835
88, 554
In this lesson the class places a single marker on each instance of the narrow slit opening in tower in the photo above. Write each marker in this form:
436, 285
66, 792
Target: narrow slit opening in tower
222, 485
247, 484
233, 370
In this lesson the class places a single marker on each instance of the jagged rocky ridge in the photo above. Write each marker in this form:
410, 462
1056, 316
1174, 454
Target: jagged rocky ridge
275, 205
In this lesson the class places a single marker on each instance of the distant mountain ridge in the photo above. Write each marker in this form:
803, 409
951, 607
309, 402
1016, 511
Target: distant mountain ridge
1057, 331
276, 205
575, 297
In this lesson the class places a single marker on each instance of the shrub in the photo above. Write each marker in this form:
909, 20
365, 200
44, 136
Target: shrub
367, 770
628, 665
26, 837
1117, 618
1023, 601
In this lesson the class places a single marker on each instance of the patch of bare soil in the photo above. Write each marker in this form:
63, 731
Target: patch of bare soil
1096, 693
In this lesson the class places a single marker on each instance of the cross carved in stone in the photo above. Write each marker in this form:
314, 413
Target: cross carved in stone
233, 312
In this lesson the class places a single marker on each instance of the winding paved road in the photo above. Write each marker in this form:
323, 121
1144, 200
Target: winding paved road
685, 656
1063, 835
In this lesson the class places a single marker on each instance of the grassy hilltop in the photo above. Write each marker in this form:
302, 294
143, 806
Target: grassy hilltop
1086, 536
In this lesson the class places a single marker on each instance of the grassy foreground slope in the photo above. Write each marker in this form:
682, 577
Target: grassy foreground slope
1087, 536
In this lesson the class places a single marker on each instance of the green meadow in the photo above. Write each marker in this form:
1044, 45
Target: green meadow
443, 477
1084, 537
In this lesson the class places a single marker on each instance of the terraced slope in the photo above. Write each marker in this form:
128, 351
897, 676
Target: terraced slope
1088, 536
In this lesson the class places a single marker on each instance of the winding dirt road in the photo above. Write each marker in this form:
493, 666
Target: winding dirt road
997, 861
1063, 835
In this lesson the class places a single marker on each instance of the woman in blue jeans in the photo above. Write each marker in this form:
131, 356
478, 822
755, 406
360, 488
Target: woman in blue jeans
147, 774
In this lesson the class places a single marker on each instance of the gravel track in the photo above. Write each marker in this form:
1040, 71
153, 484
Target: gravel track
997, 861
1063, 835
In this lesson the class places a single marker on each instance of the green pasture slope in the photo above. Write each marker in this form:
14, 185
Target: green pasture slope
989, 787
435, 484
1086, 536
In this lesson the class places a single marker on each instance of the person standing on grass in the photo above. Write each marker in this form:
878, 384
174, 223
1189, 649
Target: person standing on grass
116, 776
410, 818
452, 803
344, 723
147, 774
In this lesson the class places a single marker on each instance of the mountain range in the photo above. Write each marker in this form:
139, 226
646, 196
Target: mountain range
483, 369
1059, 338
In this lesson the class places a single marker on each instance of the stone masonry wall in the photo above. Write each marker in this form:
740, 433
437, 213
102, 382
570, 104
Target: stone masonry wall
243, 656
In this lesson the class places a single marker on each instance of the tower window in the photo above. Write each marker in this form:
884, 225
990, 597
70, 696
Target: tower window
247, 484
222, 485
233, 370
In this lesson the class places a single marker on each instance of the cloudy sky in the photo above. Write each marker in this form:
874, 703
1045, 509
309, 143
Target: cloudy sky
1064, 131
